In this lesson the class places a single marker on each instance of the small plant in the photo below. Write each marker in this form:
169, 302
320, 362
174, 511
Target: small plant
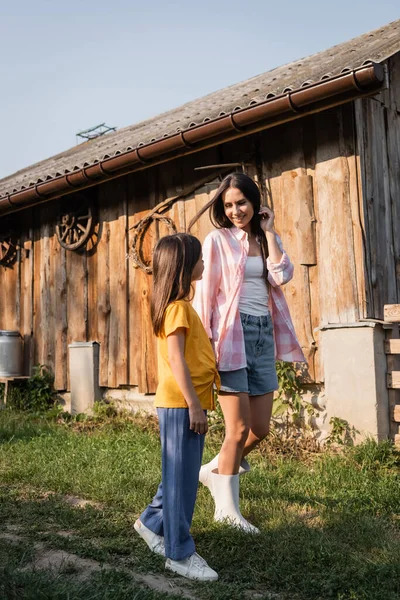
342, 433
289, 398
37, 394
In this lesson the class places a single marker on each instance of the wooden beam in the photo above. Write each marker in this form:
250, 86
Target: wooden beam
397, 440
396, 413
393, 380
391, 313
392, 346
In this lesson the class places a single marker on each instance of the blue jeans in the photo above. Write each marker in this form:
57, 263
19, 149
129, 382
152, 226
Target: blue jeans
259, 377
170, 512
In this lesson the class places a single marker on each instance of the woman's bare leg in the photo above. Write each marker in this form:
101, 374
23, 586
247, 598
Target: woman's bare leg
260, 419
237, 417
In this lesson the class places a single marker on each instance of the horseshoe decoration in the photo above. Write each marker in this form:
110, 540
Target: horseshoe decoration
137, 239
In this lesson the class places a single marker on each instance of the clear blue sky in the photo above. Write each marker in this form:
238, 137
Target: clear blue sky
66, 66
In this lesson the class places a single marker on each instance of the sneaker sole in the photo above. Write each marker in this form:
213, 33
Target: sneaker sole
137, 528
176, 571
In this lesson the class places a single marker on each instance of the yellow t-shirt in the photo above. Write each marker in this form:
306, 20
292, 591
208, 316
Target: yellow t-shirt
199, 357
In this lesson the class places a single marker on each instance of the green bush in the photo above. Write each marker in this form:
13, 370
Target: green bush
36, 394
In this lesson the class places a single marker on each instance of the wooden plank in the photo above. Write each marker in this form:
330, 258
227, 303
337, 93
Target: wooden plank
102, 282
10, 296
396, 413
392, 346
118, 339
26, 324
305, 220
76, 301
76, 271
46, 343
142, 195
282, 164
37, 305
336, 259
393, 91
61, 357
93, 255
393, 380
356, 205
297, 291
397, 440
391, 313
377, 182
393, 152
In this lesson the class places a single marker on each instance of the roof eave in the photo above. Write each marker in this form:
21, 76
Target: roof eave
290, 105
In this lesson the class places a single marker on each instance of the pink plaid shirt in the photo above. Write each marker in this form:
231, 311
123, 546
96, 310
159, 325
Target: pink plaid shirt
216, 299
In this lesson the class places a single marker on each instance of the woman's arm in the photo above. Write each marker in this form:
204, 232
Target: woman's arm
280, 269
180, 370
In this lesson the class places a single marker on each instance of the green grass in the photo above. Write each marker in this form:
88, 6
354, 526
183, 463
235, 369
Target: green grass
330, 522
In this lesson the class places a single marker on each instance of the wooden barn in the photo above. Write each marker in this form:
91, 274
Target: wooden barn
321, 136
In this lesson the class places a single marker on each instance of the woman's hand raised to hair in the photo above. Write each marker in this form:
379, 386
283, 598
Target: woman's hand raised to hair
267, 219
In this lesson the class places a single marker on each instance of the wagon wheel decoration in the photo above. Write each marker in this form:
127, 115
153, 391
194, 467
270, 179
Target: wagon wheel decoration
8, 250
137, 240
75, 225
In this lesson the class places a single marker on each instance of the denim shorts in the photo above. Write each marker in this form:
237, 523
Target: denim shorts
259, 377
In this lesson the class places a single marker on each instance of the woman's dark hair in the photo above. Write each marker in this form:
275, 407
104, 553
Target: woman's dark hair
174, 259
218, 218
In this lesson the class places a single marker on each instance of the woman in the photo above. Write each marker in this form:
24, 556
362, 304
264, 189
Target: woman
247, 320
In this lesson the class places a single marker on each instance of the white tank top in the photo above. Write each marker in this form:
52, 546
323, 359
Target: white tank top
253, 298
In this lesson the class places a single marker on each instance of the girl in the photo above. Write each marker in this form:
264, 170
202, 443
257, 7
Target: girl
246, 317
186, 373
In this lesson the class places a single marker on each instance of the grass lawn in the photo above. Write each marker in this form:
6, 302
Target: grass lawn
70, 493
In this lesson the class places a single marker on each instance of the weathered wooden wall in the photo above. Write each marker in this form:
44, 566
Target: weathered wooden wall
55, 297
310, 178
378, 145
308, 173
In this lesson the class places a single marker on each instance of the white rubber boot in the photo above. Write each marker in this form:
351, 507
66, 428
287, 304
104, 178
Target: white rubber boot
225, 491
206, 470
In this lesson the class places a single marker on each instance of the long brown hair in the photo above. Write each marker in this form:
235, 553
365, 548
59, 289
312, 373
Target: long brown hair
218, 218
174, 259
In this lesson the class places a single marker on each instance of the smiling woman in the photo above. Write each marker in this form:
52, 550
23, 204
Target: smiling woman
245, 316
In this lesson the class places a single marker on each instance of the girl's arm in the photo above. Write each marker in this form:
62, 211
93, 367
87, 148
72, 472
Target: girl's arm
180, 370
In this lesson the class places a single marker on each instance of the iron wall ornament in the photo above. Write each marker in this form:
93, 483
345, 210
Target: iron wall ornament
75, 225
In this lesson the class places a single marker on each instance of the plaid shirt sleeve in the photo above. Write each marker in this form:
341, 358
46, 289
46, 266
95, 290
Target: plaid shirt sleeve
281, 272
207, 288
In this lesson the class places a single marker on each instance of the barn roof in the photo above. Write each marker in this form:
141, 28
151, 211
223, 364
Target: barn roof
280, 84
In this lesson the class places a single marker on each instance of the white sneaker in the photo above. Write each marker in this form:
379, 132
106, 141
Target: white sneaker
155, 542
193, 567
